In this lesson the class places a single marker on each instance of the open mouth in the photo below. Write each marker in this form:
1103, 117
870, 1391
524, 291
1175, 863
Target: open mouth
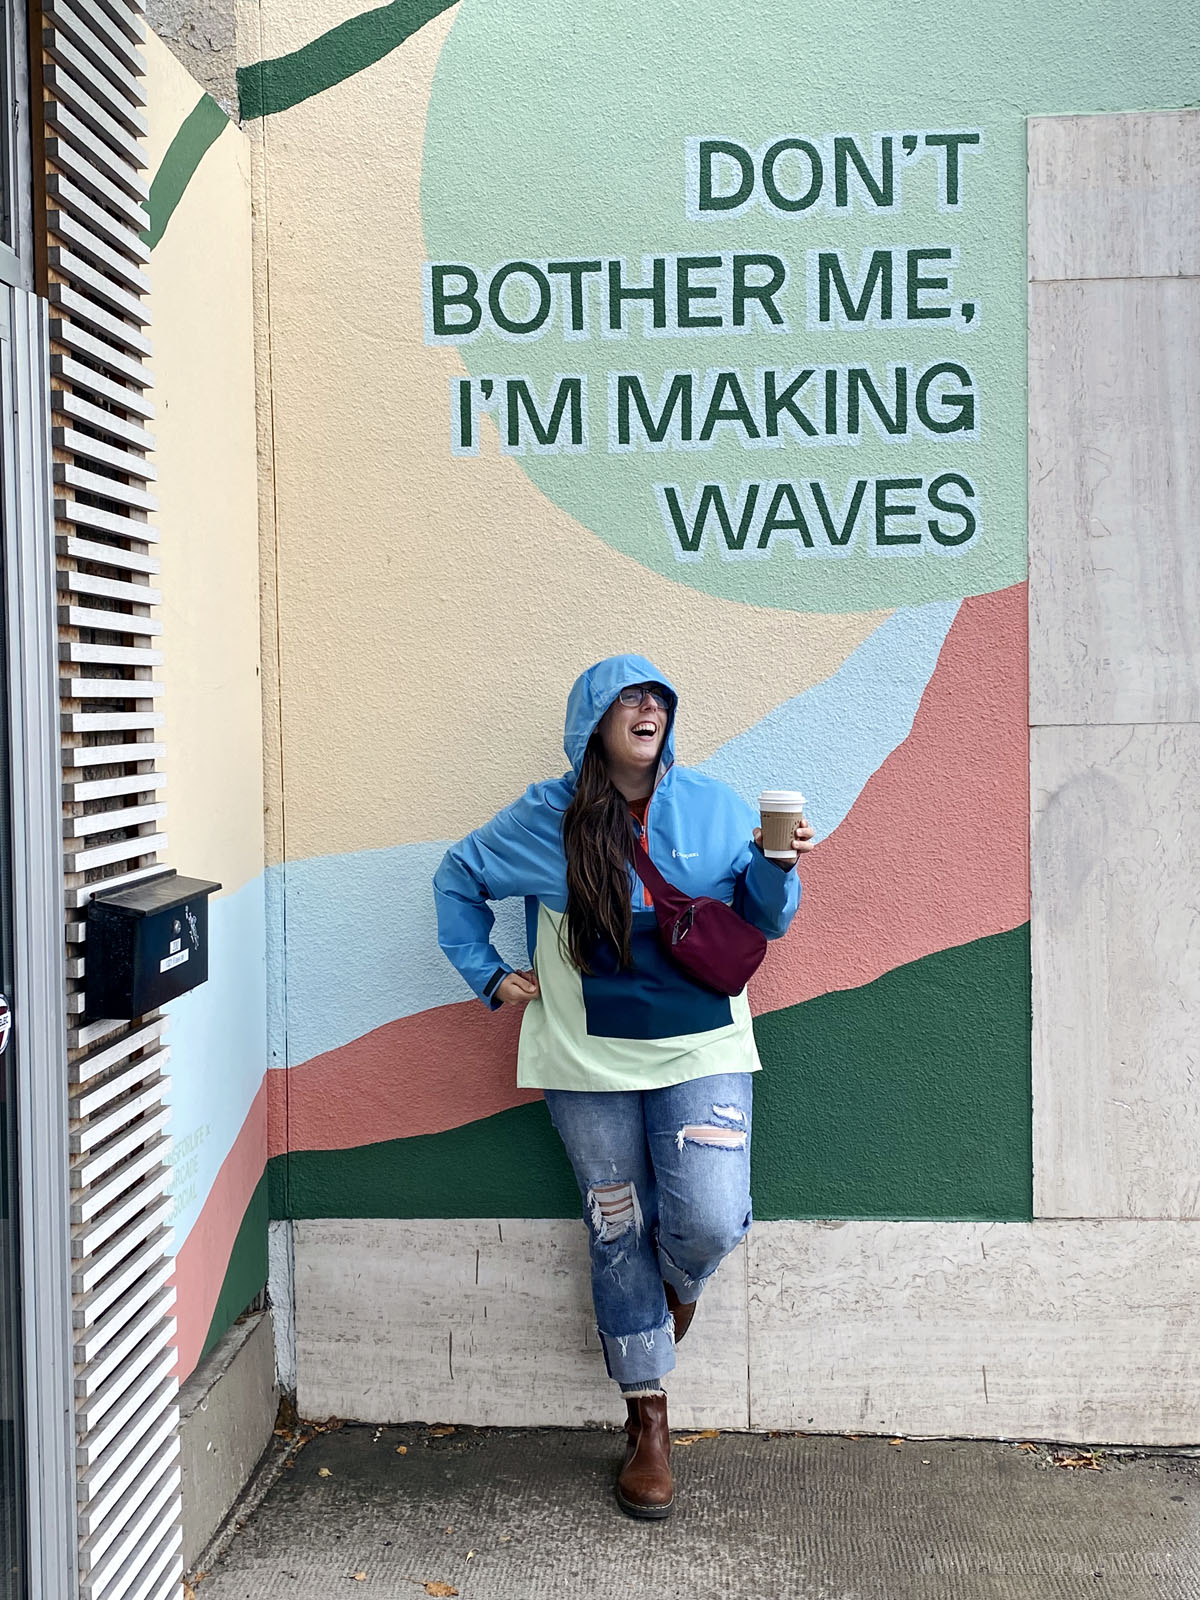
645, 730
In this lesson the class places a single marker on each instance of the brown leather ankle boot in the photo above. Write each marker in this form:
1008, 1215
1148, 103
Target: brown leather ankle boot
682, 1314
644, 1487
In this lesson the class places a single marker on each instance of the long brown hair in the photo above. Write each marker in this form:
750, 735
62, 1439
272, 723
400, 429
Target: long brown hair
598, 841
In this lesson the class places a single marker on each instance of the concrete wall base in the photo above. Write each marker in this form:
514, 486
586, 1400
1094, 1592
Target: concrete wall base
1056, 1329
227, 1411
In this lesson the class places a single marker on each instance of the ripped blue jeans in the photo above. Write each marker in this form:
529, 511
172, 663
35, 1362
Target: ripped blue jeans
665, 1179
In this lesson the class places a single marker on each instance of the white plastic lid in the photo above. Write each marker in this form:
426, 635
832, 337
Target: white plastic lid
780, 800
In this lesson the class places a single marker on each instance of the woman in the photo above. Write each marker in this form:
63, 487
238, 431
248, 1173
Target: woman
647, 1074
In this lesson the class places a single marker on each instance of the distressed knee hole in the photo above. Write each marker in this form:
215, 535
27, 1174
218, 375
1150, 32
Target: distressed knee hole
614, 1209
719, 1138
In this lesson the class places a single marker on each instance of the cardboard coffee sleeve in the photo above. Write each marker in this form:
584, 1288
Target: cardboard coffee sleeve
780, 811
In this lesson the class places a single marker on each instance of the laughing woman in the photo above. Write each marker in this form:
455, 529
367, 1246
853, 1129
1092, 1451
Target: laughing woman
646, 1072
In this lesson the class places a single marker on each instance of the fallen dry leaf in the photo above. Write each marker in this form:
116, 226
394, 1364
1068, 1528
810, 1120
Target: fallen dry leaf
324, 1472
359, 1577
440, 1433
1027, 1447
1087, 1460
895, 1441
691, 1438
442, 1589
401, 1449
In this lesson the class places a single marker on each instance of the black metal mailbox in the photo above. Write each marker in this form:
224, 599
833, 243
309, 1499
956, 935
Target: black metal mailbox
146, 944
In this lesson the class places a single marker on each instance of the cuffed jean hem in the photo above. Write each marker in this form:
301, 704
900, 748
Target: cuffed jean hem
638, 1358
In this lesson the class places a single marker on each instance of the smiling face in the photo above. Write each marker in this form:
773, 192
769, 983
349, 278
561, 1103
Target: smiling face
632, 736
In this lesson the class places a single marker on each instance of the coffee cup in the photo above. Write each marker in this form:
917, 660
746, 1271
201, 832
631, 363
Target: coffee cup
781, 811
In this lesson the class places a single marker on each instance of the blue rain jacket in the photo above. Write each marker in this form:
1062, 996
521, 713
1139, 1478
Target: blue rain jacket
698, 833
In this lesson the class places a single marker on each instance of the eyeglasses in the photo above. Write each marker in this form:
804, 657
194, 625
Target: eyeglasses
634, 693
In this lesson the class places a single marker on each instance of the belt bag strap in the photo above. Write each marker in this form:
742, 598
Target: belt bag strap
661, 888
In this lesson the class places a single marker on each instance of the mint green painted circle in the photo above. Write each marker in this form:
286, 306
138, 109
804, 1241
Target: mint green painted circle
557, 130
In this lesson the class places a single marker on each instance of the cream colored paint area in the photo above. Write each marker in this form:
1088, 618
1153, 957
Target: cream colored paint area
433, 612
203, 364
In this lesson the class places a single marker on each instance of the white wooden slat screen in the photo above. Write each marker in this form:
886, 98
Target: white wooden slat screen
97, 283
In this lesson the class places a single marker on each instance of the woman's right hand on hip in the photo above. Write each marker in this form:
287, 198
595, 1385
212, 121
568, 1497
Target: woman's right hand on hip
518, 989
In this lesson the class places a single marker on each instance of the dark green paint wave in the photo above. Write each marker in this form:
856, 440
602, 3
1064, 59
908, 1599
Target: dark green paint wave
509, 1165
908, 1097
246, 1272
266, 87
201, 128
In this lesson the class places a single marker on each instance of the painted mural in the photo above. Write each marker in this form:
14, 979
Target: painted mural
203, 331
699, 333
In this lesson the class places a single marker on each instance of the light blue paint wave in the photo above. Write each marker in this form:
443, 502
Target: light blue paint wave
362, 944
218, 1039
827, 741
361, 934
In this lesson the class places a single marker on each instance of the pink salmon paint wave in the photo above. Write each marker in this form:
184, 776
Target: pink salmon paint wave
935, 850
934, 853
422, 1074
203, 1257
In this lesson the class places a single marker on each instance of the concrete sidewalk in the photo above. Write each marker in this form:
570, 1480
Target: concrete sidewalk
505, 1514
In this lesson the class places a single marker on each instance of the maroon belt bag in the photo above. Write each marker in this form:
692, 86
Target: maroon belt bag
703, 937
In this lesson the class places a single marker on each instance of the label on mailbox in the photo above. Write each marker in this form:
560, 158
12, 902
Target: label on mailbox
176, 960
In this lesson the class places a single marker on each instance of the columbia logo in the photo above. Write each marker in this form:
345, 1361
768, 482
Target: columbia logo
685, 855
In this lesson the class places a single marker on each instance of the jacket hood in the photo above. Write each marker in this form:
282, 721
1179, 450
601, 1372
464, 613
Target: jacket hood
595, 690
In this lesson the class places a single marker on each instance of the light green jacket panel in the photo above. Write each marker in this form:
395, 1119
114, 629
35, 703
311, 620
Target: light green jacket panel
557, 1052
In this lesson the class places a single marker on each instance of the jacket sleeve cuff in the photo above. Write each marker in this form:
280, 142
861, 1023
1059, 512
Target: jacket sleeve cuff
488, 996
776, 892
